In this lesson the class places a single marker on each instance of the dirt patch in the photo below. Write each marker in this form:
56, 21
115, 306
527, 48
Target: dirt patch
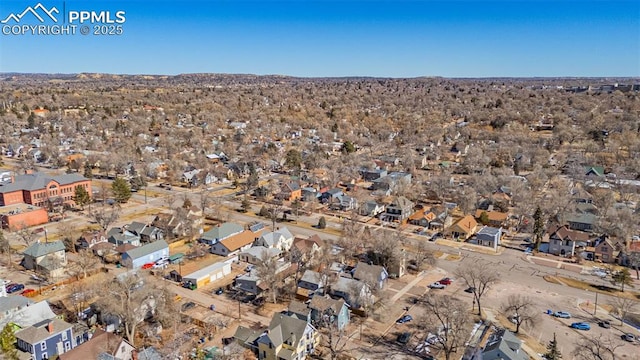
590, 287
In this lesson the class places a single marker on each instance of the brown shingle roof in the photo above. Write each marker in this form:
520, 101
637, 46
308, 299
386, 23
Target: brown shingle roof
492, 215
101, 342
235, 242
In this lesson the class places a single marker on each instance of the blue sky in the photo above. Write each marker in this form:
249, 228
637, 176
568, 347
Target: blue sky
461, 38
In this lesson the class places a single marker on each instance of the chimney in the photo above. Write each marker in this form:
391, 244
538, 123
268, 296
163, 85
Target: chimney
50, 327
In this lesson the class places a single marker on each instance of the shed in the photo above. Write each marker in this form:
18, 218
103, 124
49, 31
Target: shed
210, 273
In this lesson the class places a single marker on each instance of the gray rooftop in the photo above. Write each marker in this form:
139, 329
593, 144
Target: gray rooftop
9, 303
38, 181
223, 231
503, 345
38, 332
488, 230
147, 249
39, 249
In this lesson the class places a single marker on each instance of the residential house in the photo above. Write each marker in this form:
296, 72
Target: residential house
398, 211
281, 239
258, 254
489, 237
372, 174
172, 227
371, 208
249, 283
356, 293
503, 345
300, 310
594, 171
119, 236
235, 244
607, 251
464, 228
46, 339
394, 181
89, 239
309, 194
373, 275
583, 218
10, 306
305, 249
289, 191
287, 338
422, 217
48, 258
313, 282
102, 345
331, 196
563, 241
345, 203
149, 253
147, 233
326, 311
220, 232
493, 218
191, 177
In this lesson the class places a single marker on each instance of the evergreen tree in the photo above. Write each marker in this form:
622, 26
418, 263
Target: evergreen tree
348, 147
81, 196
88, 172
7, 343
622, 278
121, 190
552, 350
484, 218
322, 223
246, 204
538, 227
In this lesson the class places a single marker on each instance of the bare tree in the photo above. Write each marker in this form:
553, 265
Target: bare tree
601, 347
266, 269
480, 277
448, 319
5, 248
422, 255
332, 338
521, 309
622, 306
85, 262
275, 209
104, 216
126, 298
22, 232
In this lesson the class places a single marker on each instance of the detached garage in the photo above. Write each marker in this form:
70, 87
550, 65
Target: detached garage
209, 274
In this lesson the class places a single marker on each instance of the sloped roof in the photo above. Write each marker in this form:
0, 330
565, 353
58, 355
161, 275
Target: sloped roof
222, 231
8, 303
270, 237
466, 224
38, 181
136, 227
503, 346
100, 342
237, 241
261, 252
322, 303
32, 314
38, 332
39, 249
402, 202
147, 249
368, 273
282, 327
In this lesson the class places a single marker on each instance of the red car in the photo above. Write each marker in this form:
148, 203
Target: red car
147, 266
445, 281
27, 292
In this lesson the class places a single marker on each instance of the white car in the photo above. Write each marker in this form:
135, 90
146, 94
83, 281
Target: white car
437, 285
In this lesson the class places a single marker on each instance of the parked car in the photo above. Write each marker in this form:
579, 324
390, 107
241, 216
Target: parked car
259, 301
188, 305
437, 285
162, 265
27, 292
15, 288
404, 319
605, 324
562, 314
148, 266
581, 326
404, 337
470, 290
445, 281
219, 291
628, 337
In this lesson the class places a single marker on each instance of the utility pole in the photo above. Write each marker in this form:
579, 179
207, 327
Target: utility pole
595, 307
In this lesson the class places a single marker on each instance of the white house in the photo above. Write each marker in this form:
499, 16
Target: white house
281, 239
